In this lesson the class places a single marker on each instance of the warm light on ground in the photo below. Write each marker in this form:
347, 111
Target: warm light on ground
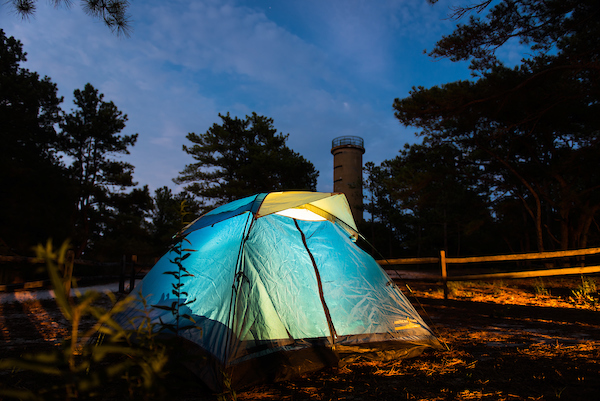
510, 340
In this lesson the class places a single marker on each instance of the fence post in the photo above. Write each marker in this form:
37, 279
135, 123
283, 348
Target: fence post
68, 273
132, 278
122, 277
444, 273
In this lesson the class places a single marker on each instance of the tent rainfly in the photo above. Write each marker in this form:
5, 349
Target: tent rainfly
274, 286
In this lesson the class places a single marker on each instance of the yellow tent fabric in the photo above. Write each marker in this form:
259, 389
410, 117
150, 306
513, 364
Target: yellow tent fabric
332, 203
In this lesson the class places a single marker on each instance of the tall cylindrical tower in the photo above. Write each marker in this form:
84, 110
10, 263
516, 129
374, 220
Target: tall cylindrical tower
347, 154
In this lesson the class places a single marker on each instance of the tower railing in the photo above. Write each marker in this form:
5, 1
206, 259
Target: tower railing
348, 140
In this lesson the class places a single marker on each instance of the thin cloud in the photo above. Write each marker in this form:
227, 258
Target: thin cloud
320, 69
209, 37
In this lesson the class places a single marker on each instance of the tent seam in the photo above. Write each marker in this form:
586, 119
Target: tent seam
319, 285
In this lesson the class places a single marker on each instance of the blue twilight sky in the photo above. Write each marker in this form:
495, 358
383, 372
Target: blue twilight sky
319, 68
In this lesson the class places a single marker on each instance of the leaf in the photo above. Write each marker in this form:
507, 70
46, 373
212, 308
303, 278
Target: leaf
100, 351
169, 326
163, 307
190, 327
188, 302
19, 394
39, 366
62, 298
189, 317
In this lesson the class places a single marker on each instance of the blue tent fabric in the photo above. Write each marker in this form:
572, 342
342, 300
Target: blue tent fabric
225, 212
270, 297
212, 266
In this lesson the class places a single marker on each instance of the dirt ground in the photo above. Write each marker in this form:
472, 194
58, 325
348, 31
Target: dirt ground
510, 340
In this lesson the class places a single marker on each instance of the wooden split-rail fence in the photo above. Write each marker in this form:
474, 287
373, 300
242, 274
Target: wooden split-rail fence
130, 268
129, 272
444, 262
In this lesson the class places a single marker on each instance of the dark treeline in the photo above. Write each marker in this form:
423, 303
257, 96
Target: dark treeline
509, 160
61, 176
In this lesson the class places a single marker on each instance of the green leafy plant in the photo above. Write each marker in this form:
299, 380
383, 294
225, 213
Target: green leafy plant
180, 275
182, 298
586, 292
539, 287
498, 287
456, 288
178, 291
229, 394
80, 367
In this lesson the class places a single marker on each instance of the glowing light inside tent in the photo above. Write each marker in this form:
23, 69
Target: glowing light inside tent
301, 214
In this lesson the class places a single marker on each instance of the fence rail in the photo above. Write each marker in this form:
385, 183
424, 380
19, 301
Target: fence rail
130, 270
385, 263
445, 261
31, 260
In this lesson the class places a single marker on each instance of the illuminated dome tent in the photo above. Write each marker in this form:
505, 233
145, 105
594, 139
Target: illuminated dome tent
277, 287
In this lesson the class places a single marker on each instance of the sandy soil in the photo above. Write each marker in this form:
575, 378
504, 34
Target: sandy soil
511, 340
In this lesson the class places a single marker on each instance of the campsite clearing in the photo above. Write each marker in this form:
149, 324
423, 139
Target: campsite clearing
511, 340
